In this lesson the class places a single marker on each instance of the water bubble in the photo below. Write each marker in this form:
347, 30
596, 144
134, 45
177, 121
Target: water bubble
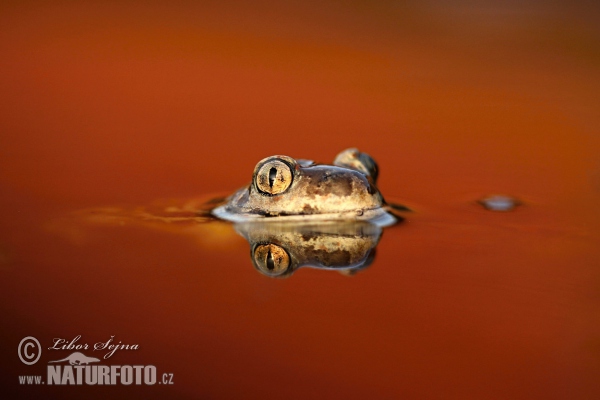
499, 203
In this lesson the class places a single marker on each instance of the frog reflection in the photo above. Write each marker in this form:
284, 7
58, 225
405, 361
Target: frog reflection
283, 188
278, 249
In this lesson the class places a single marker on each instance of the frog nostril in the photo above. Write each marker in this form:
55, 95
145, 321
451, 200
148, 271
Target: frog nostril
272, 176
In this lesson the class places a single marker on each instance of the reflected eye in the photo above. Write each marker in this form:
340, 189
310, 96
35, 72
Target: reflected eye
273, 177
271, 259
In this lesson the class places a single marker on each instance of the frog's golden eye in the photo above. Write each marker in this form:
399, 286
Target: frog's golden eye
273, 177
271, 259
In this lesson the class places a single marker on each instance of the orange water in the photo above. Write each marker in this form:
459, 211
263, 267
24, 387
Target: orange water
122, 104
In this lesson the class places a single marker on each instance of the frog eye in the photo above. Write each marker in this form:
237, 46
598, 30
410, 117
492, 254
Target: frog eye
271, 259
354, 159
273, 177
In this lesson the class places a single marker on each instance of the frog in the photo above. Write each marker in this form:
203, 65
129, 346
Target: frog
277, 250
288, 189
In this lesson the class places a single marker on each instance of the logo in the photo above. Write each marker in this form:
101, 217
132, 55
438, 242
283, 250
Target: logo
26, 353
78, 368
77, 358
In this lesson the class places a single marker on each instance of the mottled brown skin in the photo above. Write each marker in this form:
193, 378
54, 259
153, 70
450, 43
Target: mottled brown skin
315, 190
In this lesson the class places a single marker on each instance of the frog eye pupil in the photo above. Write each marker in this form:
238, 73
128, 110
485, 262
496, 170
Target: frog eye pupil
270, 261
272, 175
